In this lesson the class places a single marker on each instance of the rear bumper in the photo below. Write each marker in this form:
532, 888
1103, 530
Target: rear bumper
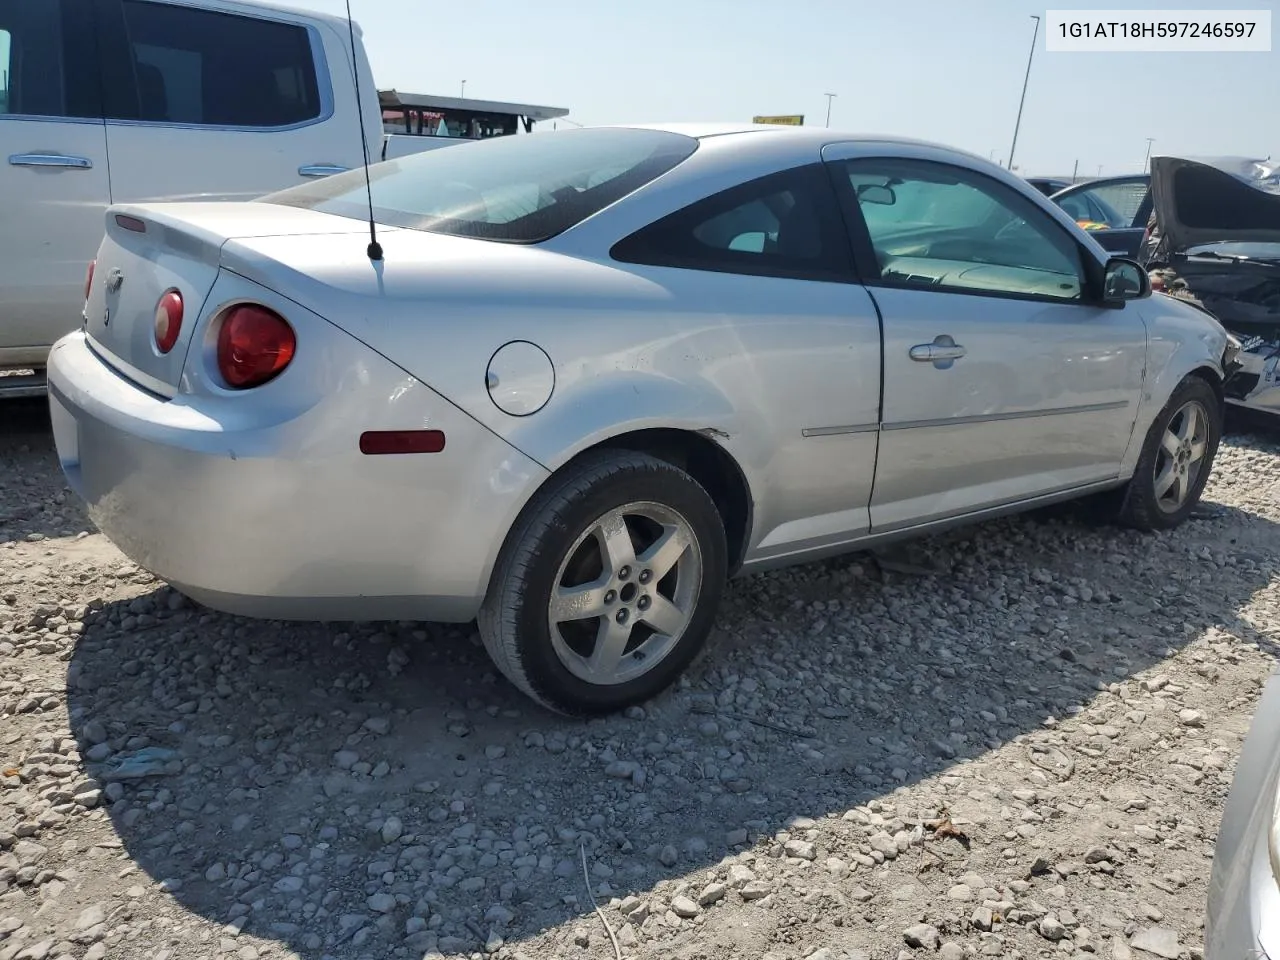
287, 519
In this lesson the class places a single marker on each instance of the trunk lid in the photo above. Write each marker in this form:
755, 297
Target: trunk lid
149, 250
1214, 200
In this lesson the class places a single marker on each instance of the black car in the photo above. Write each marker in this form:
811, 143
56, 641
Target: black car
1048, 185
1216, 243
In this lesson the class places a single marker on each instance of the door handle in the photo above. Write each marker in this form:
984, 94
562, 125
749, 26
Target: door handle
321, 170
49, 160
942, 353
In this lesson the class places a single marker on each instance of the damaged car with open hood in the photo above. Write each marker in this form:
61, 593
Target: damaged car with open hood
1216, 242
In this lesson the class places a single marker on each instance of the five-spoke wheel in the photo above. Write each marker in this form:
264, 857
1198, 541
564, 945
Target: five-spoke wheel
607, 587
1176, 459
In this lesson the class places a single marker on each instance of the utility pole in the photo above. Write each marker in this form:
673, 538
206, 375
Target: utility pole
1147, 162
1075, 170
1025, 81
464, 89
830, 97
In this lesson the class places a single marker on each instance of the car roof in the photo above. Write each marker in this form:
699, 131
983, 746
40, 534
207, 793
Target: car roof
251, 7
801, 135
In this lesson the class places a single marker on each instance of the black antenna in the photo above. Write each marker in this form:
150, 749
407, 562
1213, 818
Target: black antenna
375, 248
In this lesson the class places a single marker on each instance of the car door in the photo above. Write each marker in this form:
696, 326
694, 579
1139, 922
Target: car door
206, 103
53, 178
1003, 380
1116, 210
757, 285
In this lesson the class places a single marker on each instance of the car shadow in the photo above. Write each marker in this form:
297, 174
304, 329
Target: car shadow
35, 503
363, 789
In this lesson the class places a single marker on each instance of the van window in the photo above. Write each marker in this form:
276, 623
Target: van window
5, 65
48, 65
217, 69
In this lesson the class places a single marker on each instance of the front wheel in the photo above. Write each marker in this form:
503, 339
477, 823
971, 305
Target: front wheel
1176, 459
608, 586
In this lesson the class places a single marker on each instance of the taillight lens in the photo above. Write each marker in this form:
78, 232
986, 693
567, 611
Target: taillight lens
168, 320
254, 346
88, 278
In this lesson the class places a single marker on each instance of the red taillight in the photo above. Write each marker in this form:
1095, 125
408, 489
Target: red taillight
376, 442
168, 320
254, 345
88, 278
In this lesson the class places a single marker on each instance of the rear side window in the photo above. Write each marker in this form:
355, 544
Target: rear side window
48, 59
217, 69
782, 225
517, 189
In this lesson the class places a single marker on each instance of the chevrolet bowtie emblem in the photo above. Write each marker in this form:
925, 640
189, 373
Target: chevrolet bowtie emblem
115, 280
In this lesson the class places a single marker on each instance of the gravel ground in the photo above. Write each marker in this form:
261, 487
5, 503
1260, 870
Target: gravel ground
1013, 741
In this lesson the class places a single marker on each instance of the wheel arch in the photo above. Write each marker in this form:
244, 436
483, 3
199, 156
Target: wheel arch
695, 452
1213, 377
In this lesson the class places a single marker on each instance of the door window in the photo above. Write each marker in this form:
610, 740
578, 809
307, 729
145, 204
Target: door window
1119, 203
937, 226
48, 60
206, 68
782, 225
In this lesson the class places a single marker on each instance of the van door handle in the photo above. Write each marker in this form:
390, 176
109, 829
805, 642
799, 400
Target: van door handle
942, 353
321, 170
49, 160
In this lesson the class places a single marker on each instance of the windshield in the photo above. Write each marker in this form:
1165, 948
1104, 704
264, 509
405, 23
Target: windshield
518, 189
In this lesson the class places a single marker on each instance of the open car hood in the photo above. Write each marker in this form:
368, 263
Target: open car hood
1211, 200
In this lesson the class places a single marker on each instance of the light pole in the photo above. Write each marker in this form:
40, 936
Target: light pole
830, 97
464, 89
1147, 162
1025, 81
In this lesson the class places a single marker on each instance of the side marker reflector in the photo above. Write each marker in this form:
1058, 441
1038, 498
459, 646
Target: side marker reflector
377, 442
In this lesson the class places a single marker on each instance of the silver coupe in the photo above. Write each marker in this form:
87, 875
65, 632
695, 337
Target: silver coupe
589, 375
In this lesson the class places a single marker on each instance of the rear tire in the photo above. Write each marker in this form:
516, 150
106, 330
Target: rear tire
1176, 460
607, 587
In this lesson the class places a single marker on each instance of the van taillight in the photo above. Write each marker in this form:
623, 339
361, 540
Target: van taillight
255, 345
88, 278
168, 320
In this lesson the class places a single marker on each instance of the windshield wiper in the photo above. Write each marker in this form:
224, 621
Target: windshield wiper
1234, 257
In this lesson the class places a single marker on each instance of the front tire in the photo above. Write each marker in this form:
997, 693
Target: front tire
1177, 457
608, 586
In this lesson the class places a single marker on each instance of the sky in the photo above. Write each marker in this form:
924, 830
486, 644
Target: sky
950, 71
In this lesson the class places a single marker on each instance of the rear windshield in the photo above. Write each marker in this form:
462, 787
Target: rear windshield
524, 188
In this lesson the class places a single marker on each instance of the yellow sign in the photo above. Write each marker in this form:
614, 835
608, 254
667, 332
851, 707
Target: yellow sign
787, 121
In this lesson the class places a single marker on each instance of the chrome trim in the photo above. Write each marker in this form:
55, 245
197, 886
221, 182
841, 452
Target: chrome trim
321, 170
45, 118
996, 417
49, 160
324, 89
840, 431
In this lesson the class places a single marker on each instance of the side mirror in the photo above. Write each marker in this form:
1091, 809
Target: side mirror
874, 193
1124, 280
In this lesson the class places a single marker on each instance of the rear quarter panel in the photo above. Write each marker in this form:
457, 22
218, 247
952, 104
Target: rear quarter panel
745, 361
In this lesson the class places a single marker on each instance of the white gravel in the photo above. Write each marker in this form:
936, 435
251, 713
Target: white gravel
1022, 754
